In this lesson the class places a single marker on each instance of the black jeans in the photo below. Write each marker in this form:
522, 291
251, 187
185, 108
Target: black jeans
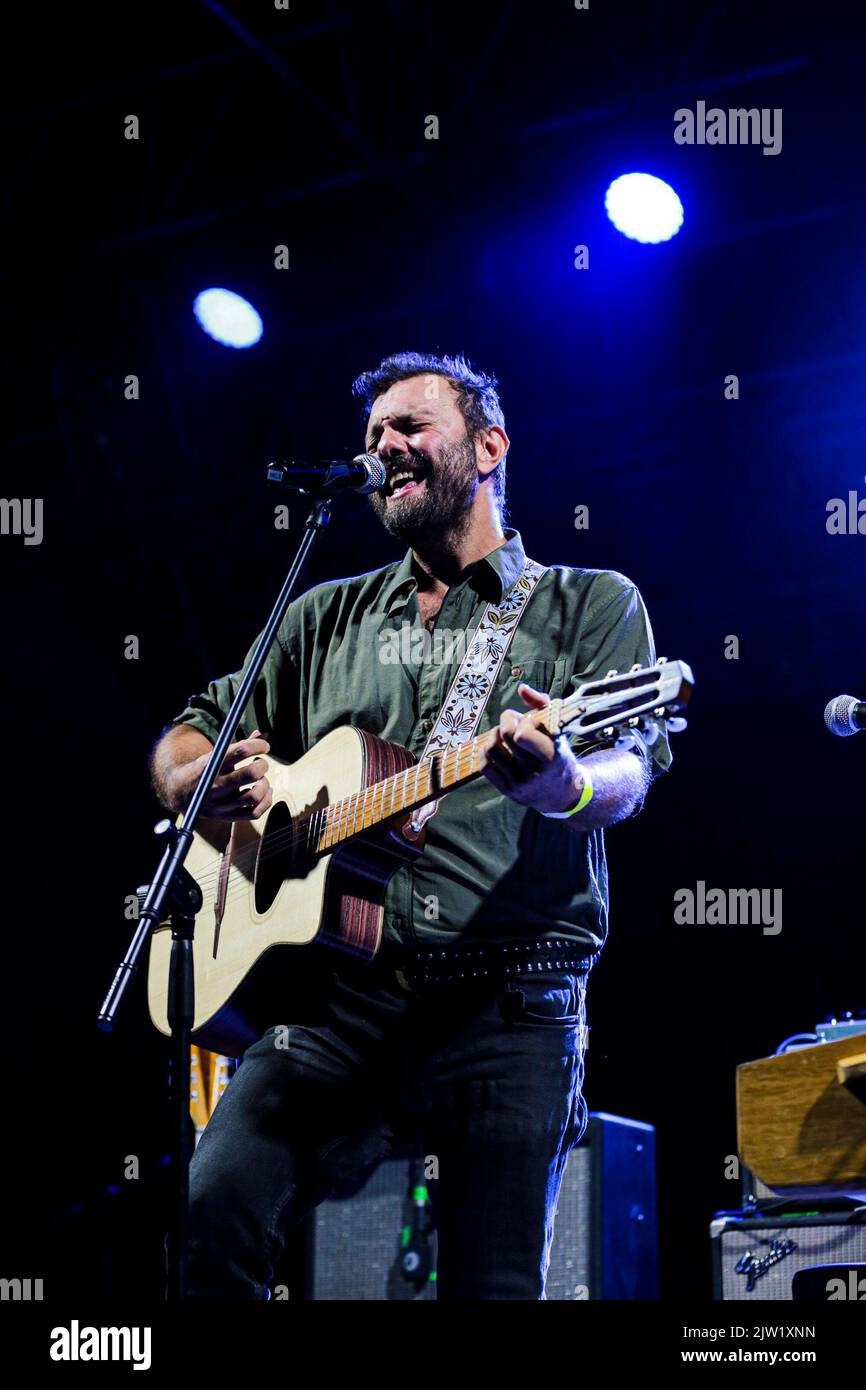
487, 1075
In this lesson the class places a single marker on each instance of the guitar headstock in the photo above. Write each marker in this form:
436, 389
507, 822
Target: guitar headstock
628, 702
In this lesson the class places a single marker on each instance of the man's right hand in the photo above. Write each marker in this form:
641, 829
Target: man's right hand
238, 793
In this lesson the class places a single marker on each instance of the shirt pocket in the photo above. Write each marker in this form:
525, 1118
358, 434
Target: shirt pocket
542, 673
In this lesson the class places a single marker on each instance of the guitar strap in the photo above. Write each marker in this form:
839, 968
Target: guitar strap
470, 690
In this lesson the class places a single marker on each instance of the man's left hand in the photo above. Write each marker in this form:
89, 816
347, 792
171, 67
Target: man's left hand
526, 764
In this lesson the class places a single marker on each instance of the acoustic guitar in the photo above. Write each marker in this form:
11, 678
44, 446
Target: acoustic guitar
316, 866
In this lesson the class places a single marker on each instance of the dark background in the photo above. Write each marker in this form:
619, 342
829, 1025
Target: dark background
261, 127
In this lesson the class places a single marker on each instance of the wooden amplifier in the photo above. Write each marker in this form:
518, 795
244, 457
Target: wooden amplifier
801, 1118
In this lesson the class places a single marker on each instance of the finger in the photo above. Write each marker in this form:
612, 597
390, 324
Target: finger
502, 740
508, 722
247, 748
499, 755
241, 776
254, 801
533, 742
517, 734
256, 790
511, 762
257, 800
237, 807
264, 805
525, 761
536, 699
230, 792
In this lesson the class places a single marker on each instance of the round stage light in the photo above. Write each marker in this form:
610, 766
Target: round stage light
644, 208
228, 318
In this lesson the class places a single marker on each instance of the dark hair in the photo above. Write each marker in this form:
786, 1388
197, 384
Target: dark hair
477, 395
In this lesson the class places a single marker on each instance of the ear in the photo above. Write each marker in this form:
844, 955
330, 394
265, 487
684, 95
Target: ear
491, 445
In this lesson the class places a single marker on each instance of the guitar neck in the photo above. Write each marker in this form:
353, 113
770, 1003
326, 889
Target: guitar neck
425, 781
598, 710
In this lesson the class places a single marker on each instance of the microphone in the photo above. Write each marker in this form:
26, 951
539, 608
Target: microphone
366, 473
845, 716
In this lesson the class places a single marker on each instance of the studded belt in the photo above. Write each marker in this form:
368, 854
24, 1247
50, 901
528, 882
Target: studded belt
434, 966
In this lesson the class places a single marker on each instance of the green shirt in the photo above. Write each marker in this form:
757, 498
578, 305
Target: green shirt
491, 869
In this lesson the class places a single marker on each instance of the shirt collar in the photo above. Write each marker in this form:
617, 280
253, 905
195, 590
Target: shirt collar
494, 573
506, 561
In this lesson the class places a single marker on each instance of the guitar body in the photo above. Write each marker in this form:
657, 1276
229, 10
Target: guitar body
263, 893
316, 866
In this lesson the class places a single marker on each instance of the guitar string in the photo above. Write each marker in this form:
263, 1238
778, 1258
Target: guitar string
359, 804
281, 841
239, 885
316, 826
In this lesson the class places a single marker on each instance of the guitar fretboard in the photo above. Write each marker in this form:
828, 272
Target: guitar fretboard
414, 786
402, 792
615, 702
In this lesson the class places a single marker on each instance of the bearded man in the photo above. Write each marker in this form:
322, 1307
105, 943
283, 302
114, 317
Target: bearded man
466, 1034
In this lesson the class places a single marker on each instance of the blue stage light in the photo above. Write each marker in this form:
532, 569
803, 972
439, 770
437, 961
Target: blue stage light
228, 318
644, 208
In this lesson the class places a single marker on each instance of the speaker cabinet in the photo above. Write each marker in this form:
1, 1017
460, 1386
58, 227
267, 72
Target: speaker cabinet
380, 1244
605, 1241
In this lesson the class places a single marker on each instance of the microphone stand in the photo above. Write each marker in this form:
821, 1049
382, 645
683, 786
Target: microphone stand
173, 892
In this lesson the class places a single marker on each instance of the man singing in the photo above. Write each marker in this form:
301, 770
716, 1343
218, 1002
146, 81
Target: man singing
466, 1034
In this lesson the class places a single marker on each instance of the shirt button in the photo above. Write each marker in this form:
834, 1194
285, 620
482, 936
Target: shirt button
515, 670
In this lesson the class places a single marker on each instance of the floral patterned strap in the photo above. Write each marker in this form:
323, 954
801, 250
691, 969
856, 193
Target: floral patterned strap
464, 705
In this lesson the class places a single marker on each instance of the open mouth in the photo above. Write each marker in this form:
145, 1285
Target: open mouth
404, 479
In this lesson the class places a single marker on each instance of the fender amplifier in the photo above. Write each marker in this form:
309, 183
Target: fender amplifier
756, 1257
381, 1243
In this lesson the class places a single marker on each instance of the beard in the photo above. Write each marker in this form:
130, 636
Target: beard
442, 507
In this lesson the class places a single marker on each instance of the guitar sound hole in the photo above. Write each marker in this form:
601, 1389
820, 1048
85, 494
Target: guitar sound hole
277, 856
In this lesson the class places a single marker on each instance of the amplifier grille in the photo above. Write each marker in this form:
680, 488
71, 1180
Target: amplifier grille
817, 1243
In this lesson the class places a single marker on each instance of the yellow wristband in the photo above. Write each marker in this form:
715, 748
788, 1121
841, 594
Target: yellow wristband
585, 798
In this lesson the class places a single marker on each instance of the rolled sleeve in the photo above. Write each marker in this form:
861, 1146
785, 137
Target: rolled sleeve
275, 688
616, 634
207, 711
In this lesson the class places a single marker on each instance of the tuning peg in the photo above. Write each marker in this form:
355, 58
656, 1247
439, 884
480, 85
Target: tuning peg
676, 725
608, 732
650, 731
611, 673
626, 741
636, 667
661, 661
